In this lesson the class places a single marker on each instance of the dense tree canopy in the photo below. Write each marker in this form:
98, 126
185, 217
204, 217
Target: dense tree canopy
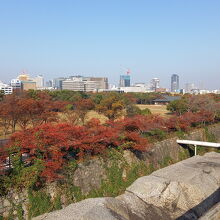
54, 128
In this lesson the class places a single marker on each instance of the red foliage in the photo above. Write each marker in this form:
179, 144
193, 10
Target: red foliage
188, 119
139, 123
54, 144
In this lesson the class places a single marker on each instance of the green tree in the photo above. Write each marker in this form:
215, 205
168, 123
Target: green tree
145, 111
133, 110
178, 106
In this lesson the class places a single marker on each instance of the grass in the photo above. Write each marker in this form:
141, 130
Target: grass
94, 114
156, 109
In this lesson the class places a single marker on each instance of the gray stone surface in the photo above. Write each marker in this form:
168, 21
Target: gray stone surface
92, 209
89, 175
213, 214
185, 190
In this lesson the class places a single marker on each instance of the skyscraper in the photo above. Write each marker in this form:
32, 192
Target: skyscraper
125, 81
174, 83
155, 84
39, 81
57, 82
189, 87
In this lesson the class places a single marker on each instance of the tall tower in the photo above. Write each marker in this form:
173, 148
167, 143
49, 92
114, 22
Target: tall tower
174, 83
125, 80
39, 81
155, 84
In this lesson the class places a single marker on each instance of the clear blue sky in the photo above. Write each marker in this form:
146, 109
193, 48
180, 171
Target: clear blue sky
154, 38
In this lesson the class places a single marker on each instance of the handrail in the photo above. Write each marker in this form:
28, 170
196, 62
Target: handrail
199, 143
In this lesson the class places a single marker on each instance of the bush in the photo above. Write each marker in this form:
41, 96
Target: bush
156, 134
39, 203
133, 110
145, 111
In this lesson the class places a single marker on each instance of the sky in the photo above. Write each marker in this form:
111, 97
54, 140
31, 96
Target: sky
153, 38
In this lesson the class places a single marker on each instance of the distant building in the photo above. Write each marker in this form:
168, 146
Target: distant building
216, 91
73, 83
165, 100
26, 85
133, 89
57, 82
49, 83
85, 84
16, 84
125, 81
162, 90
182, 91
39, 81
101, 82
174, 83
23, 77
155, 84
6, 89
189, 87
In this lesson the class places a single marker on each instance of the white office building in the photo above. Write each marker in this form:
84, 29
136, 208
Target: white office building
16, 84
155, 84
85, 84
6, 89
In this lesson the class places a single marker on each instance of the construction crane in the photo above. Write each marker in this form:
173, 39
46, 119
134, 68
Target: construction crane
128, 71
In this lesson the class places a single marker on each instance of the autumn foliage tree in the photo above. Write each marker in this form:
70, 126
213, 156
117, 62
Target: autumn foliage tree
82, 107
9, 113
55, 144
52, 144
27, 111
112, 106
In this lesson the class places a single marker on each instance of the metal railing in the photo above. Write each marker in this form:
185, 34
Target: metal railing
199, 143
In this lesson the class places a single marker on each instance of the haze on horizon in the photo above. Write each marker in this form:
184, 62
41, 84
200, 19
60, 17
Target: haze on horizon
154, 38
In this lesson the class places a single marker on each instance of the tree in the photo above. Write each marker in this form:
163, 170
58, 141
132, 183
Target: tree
9, 111
145, 111
111, 106
52, 145
82, 107
132, 110
146, 98
70, 116
1, 95
27, 111
178, 106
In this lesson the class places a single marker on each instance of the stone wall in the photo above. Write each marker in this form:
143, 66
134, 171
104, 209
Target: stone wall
90, 174
184, 191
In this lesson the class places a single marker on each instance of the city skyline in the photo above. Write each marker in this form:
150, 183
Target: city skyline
124, 81
96, 38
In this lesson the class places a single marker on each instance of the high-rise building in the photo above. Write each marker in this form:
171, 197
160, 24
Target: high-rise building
39, 81
174, 83
189, 87
49, 83
57, 82
155, 84
125, 81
